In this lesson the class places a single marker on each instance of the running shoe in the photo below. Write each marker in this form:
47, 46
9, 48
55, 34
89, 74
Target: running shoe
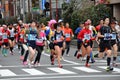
52, 62
92, 61
60, 66
25, 63
109, 69
87, 65
78, 56
67, 55
5, 55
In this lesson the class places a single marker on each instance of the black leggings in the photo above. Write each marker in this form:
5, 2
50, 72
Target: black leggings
39, 49
67, 46
22, 50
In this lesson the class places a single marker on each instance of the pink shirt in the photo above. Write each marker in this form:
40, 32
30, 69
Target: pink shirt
40, 39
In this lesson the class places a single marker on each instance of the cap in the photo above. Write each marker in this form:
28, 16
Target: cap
86, 23
60, 20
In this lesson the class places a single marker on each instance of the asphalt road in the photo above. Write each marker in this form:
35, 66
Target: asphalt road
11, 68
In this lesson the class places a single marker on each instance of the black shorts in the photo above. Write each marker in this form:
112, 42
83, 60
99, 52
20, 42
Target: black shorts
91, 43
113, 42
6, 44
60, 44
104, 45
51, 45
11, 38
86, 44
32, 44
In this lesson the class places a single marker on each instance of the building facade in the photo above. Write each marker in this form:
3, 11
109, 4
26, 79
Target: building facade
116, 8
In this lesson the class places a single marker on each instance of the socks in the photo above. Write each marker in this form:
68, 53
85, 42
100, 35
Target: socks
87, 59
108, 61
63, 52
76, 53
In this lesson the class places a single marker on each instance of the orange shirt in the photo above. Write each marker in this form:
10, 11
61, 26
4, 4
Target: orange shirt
68, 33
63, 29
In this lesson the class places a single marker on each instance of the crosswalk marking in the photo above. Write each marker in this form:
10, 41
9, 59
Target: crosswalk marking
6, 72
34, 72
103, 61
61, 71
117, 70
0, 65
85, 69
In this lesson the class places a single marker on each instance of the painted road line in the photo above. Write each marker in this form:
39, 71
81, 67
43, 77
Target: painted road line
68, 61
61, 71
34, 72
85, 69
47, 65
72, 62
6, 72
102, 61
116, 70
0, 65
65, 77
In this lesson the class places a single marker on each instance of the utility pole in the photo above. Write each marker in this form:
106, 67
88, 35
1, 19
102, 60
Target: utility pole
50, 9
24, 11
56, 10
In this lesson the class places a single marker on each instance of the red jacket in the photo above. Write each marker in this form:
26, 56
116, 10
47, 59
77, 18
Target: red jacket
85, 34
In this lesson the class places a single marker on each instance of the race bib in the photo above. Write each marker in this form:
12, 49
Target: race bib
58, 37
107, 36
4, 36
67, 35
32, 37
113, 35
39, 40
12, 34
87, 36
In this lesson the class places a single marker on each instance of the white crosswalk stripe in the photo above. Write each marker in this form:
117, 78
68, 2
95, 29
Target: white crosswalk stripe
116, 70
34, 72
55, 71
6, 72
85, 69
61, 71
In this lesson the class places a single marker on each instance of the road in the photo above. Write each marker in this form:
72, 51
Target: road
11, 68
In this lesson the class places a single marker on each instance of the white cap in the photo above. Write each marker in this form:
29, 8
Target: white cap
60, 20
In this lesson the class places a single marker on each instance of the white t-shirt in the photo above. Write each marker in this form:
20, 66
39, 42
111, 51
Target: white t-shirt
91, 29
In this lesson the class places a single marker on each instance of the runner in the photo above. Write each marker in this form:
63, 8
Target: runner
68, 35
5, 35
51, 45
79, 42
114, 42
58, 43
94, 34
85, 36
25, 43
40, 42
61, 24
22, 43
11, 38
105, 42
32, 34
